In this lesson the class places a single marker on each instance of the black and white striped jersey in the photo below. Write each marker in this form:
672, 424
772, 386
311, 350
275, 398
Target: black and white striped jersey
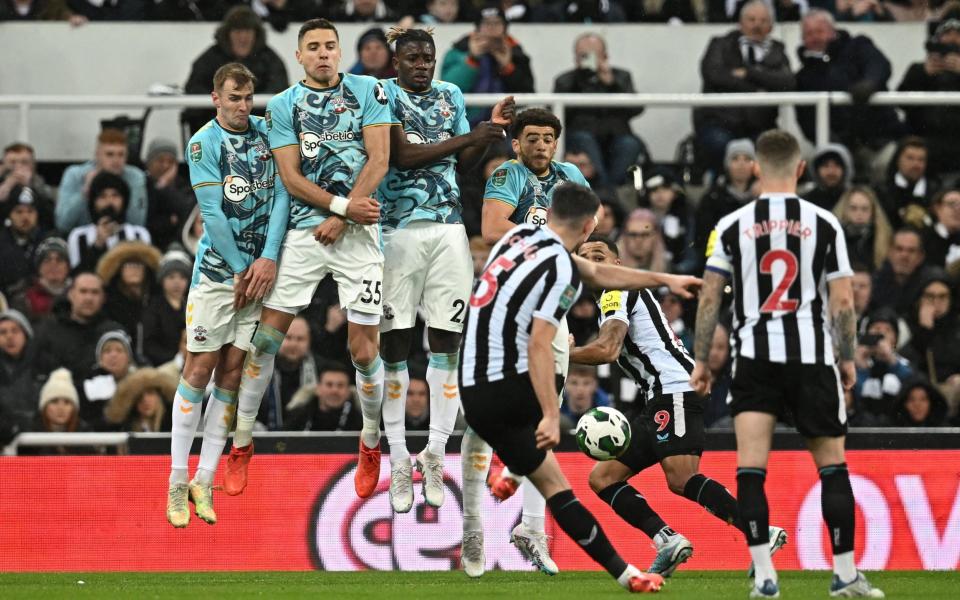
652, 353
83, 238
780, 252
529, 274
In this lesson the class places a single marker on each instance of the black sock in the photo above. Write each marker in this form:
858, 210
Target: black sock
752, 501
632, 507
714, 497
839, 510
577, 522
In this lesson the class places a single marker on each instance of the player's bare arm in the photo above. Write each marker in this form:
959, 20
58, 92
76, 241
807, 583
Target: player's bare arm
288, 165
543, 379
844, 327
470, 147
611, 277
708, 312
605, 349
495, 220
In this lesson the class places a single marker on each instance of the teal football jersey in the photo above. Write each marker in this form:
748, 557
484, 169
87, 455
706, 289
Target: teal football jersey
515, 184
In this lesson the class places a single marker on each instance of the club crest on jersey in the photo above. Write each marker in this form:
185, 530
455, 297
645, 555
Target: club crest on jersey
338, 104
200, 334
446, 111
269, 120
499, 177
196, 151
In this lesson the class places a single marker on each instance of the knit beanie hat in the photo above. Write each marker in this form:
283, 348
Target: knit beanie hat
17, 317
739, 146
51, 244
116, 335
175, 261
59, 385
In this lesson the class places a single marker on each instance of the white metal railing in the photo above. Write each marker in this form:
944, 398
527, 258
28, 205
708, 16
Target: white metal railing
821, 101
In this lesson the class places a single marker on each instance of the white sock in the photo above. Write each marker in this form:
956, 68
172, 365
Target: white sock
444, 400
475, 457
534, 507
396, 380
187, 405
844, 566
370, 392
257, 372
216, 425
762, 564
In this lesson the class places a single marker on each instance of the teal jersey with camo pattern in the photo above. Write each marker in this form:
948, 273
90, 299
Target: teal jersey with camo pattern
529, 195
327, 125
243, 204
428, 193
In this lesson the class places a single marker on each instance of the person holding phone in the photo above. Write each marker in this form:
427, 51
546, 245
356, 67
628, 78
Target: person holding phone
881, 371
603, 134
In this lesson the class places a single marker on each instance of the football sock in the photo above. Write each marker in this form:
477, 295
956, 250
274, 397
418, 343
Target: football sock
577, 522
370, 391
475, 457
755, 516
534, 507
396, 380
216, 425
714, 497
632, 507
444, 400
752, 502
187, 405
839, 513
257, 372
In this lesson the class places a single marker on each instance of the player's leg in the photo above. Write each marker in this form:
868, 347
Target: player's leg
394, 348
475, 457
582, 527
448, 276
186, 417
754, 432
820, 413
218, 418
609, 481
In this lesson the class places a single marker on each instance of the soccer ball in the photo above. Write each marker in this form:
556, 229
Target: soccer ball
603, 433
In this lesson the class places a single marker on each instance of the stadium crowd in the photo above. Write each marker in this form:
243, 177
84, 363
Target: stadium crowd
96, 270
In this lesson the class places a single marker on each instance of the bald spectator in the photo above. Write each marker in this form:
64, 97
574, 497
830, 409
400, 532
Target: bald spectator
602, 133
835, 61
70, 338
110, 157
746, 59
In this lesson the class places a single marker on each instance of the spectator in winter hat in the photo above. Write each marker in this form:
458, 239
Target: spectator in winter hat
115, 362
170, 196
19, 237
163, 318
142, 401
374, 56
128, 272
18, 382
50, 282
730, 191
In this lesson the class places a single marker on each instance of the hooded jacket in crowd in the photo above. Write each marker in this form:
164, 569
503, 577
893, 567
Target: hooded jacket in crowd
816, 191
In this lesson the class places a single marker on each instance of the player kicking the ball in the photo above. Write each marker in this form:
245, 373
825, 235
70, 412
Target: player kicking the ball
519, 191
330, 138
635, 333
509, 379
244, 221
426, 250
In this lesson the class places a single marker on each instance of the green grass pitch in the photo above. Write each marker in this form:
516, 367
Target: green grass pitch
712, 585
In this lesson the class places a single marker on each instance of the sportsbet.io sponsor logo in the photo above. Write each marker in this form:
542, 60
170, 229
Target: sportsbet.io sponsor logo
351, 534
537, 215
236, 188
310, 142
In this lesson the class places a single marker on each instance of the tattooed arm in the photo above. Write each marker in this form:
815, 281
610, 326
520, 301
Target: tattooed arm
844, 327
708, 311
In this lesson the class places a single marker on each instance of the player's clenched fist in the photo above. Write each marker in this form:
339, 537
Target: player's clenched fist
329, 231
364, 211
486, 133
548, 432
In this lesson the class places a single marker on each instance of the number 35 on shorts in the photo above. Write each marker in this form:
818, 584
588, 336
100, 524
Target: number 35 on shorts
371, 292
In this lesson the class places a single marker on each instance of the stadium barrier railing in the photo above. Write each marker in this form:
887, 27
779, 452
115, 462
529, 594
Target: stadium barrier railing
821, 101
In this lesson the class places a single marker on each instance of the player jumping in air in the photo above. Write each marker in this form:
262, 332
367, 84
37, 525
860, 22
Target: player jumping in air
792, 300
426, 250
330, 136
519, 191
244, 212
669, 431
508, 373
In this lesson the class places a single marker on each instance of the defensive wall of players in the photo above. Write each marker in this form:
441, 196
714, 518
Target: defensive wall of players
118, 58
